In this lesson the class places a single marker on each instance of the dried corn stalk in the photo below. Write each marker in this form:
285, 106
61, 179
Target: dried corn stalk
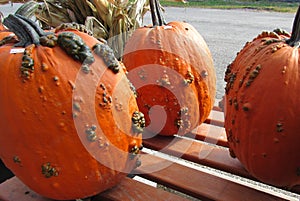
112, 20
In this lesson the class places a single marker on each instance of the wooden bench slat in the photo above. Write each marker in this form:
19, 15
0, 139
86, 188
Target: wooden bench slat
215, 118
196, 183
210, 134
14, 190
198, 152
132, 190
217, 108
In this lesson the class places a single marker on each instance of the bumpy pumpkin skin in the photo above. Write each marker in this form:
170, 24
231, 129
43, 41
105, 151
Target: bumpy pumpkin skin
262, 109
49, 118
172, 68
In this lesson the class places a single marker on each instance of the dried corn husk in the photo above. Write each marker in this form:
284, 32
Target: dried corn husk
112, 20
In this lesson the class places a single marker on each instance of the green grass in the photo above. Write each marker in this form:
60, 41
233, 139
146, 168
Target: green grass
278, 6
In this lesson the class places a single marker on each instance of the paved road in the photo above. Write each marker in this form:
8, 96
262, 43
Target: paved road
225, 31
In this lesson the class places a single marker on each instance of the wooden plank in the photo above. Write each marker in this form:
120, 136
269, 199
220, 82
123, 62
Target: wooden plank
196, 183
215, 118
198, 152
210, 134
131, 190
14, 190
217, 108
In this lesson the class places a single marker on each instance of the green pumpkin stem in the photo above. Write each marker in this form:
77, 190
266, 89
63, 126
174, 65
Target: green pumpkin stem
294, 40
156, 13
26, 30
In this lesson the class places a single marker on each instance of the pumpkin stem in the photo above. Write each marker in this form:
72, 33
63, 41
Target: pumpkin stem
156, 13
294, 40
27, 31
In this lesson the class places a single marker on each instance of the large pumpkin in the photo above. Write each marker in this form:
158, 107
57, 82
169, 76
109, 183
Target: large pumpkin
262, 107
172, 70
70, 126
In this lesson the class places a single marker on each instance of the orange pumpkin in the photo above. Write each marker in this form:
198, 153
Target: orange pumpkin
70, 126
172, 70
262, 107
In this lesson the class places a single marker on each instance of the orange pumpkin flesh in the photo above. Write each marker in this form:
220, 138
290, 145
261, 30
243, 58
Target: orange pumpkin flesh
66, 132
262, 107
172, 70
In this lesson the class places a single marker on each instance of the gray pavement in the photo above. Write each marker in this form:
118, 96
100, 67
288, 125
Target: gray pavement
225, 31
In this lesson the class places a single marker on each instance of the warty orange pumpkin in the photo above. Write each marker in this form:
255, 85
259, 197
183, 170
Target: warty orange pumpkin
262, 106
70, 126
172, 69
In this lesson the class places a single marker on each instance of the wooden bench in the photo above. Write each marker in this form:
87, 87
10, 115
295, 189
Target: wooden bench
194, 167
